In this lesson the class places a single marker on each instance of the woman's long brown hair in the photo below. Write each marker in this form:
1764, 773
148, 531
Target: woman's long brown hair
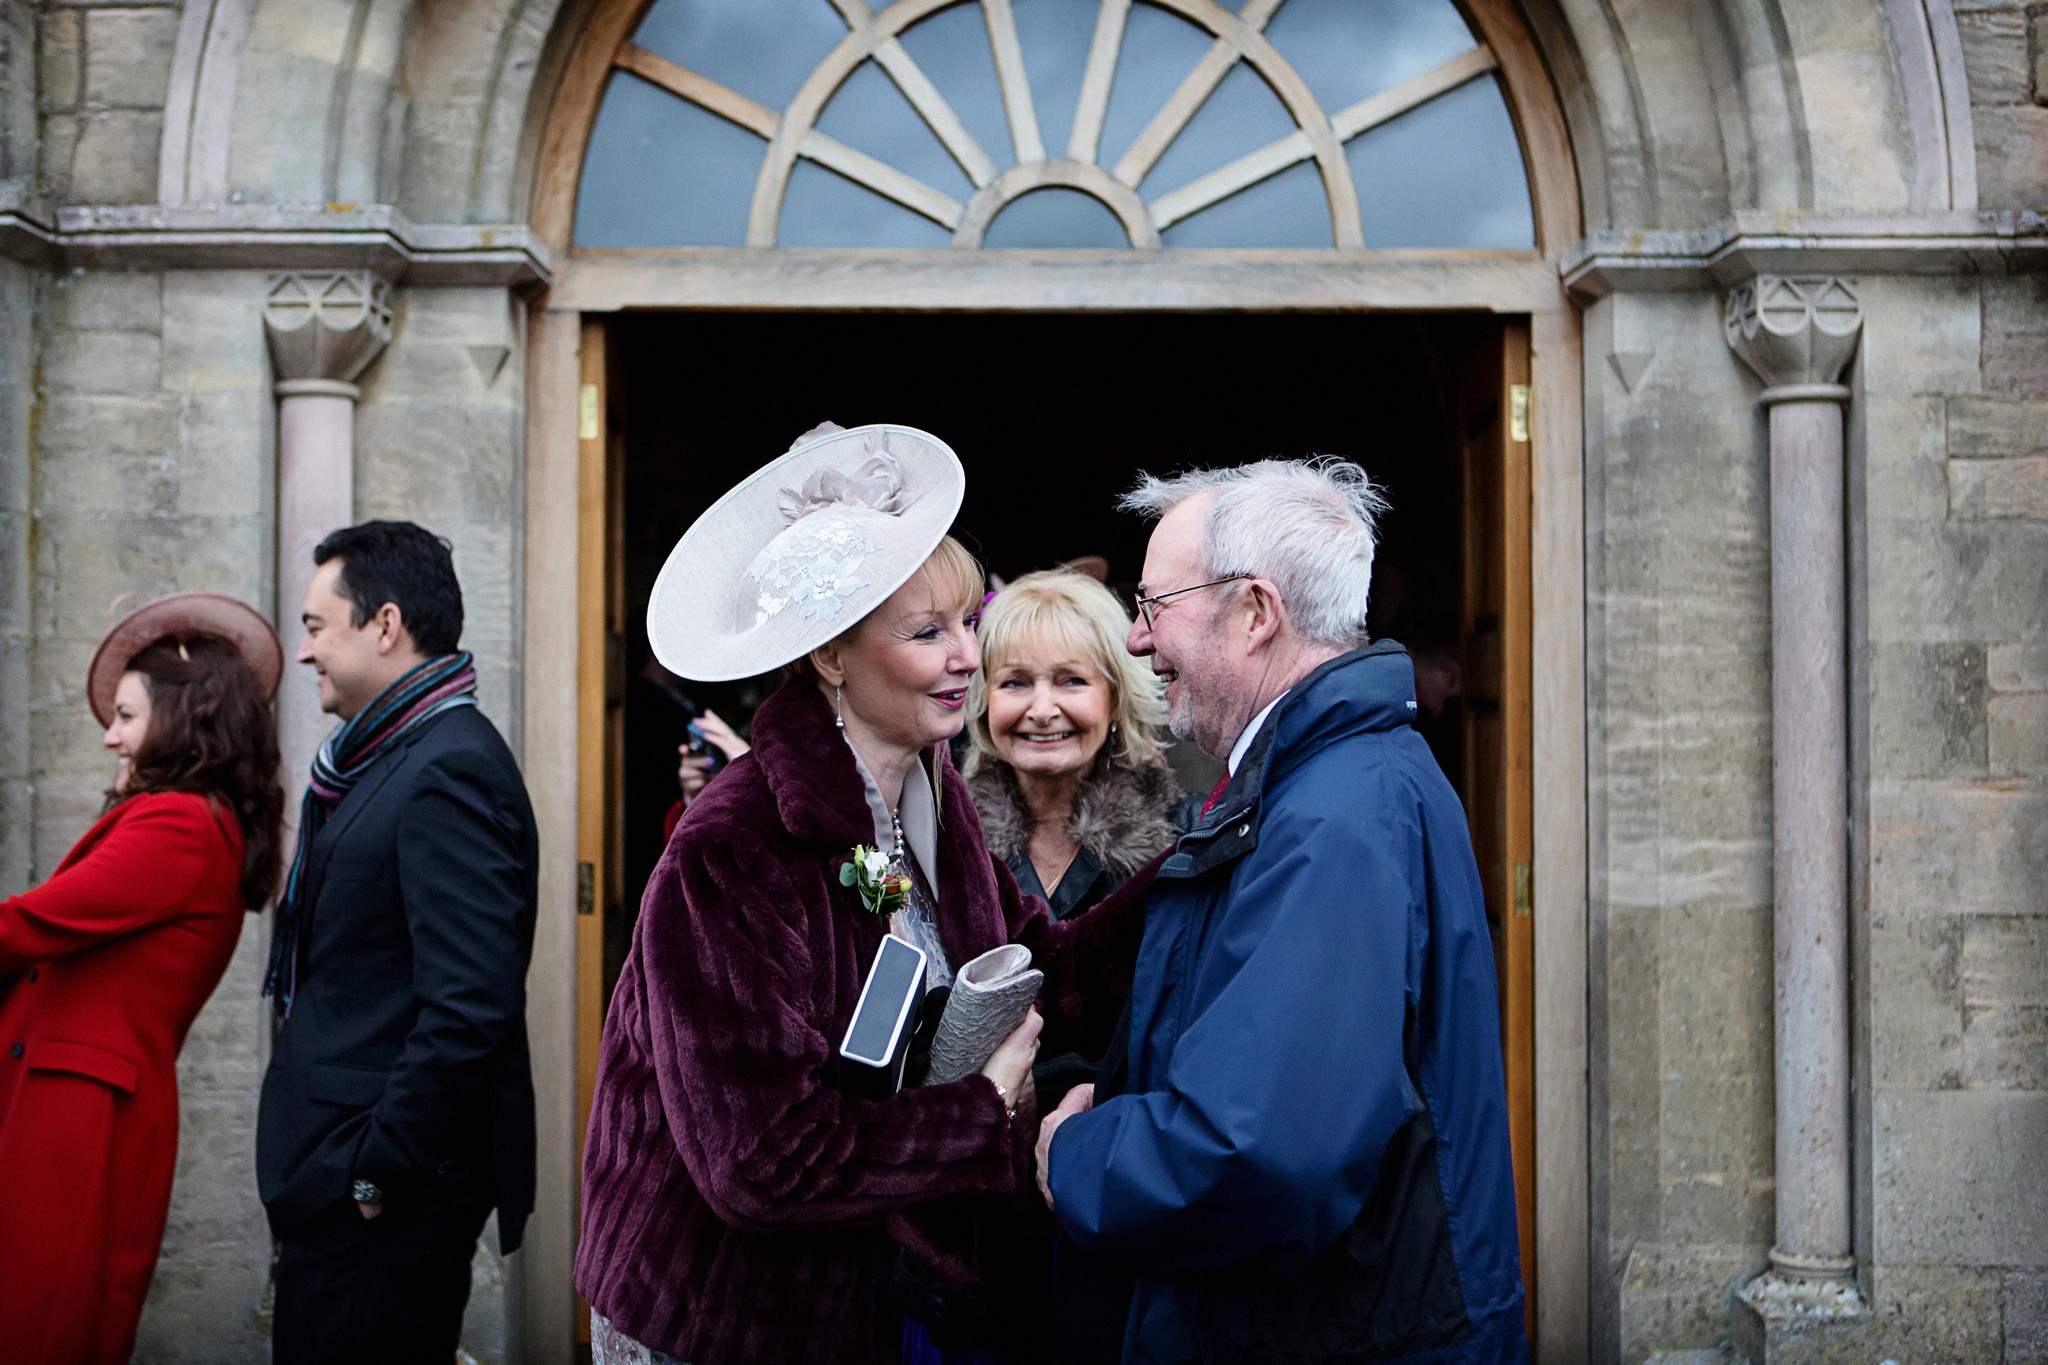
211, 731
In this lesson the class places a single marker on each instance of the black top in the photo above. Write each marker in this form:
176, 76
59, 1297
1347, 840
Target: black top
404, 1061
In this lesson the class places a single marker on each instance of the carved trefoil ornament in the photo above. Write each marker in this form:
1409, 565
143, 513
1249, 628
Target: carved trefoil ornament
1795, 330
325, 329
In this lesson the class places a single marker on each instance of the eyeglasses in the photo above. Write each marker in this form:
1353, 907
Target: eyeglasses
1148, 607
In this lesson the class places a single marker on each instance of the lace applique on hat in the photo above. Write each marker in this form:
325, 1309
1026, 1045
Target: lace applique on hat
814, 563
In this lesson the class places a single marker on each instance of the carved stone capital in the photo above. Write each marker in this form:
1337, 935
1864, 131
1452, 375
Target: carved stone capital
326, 328
1796, 331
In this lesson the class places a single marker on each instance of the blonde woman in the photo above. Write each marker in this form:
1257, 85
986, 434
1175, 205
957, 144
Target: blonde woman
1065, 765
747, 1200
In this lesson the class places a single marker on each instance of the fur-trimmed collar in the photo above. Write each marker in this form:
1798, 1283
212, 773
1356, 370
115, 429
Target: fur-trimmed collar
1121, 815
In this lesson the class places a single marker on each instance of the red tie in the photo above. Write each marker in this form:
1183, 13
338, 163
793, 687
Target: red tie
1222, 785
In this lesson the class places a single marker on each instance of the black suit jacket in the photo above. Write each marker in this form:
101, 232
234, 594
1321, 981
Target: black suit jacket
404, 1060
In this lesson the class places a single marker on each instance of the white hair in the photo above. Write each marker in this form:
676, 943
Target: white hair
1305, 525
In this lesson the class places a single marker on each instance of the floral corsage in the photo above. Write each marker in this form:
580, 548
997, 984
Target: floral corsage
882, 890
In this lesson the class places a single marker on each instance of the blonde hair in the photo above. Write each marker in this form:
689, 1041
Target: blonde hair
1078, 613
951, 572
954, 575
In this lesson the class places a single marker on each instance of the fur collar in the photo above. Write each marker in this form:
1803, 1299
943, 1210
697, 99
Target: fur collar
1121, 815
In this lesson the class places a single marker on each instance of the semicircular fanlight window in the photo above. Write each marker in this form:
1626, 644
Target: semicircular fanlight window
1053, 123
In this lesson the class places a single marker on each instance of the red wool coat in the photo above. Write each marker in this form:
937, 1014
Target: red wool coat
737, 1203
102, 969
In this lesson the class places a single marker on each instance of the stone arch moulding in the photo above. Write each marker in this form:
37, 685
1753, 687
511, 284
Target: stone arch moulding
603, 43
1927, 49
199, 108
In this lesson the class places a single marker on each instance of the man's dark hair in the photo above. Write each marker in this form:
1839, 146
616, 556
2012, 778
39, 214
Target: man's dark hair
405, 565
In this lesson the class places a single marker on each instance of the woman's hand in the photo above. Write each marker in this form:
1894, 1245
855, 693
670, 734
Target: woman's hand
694, 770
721, 735
1010, 1065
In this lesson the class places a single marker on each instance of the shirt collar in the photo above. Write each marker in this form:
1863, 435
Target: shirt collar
918, 809
1251, 732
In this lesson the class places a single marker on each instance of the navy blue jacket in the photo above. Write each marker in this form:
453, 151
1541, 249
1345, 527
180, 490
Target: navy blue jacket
1310, 1160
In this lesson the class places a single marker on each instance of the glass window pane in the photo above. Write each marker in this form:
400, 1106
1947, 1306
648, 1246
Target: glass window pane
1242, 116
765, 49
1056, 218
1159, 51
823, 208
1055, 36
871, 114
1446, 174
951, 48
1290, 209
1348, 49
662, 172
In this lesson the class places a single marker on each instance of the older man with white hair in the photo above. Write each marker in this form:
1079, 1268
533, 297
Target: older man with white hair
1299, 1146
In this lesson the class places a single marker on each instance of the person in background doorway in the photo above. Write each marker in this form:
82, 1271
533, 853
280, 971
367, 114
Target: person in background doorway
1302, 1152
695, 765
104, 967
398, 1108
1065, 765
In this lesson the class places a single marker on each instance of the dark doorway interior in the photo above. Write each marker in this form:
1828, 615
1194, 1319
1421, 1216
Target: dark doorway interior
1053, 416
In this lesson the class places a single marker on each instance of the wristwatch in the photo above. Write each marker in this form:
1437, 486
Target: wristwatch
366, 1192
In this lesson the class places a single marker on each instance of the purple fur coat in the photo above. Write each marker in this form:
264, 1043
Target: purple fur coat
736, 1205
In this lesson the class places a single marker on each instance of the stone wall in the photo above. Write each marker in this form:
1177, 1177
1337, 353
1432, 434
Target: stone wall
1949, 530
17, 376
1679, 729
2005, 52
439, 440
104, 72
1953, 628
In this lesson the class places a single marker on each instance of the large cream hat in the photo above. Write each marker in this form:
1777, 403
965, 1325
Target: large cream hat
802, 549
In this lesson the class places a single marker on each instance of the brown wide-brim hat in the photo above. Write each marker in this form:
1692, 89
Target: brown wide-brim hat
175, 615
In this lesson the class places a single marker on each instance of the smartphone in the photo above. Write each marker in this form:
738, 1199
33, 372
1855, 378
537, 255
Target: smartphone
878, 1038
701, 747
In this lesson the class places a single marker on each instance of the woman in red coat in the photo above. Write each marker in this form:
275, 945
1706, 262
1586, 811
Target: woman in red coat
104, 966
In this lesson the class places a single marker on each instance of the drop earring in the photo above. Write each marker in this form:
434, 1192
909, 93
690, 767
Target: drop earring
838, 708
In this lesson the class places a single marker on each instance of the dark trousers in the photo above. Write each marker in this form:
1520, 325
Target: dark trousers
389, 1289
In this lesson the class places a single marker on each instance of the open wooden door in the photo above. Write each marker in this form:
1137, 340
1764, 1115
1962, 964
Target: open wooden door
1493, 419
600, 715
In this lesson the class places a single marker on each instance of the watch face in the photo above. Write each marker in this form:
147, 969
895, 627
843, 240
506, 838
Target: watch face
365, 1192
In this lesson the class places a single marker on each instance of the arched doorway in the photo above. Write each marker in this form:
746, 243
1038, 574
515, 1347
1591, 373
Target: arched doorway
713, 161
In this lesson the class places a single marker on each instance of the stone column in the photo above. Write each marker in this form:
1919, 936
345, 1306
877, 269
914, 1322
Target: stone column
324, 330
1799, 334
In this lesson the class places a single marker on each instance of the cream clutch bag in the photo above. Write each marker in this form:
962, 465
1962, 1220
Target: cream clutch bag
991, 995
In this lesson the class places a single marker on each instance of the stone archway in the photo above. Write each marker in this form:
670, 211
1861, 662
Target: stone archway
566, 436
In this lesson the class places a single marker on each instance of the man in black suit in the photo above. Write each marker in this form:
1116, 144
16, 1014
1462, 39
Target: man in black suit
398, 1108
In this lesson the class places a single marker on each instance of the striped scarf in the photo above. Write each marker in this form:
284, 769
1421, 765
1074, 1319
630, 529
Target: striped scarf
437, 685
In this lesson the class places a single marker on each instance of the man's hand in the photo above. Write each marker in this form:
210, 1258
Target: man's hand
1079, 1100
370, 1209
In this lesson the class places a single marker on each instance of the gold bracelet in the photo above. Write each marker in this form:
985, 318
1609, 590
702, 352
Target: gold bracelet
1009, 1105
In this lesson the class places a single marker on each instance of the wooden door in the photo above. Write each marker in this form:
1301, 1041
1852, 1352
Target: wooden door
600, 709
1493, 417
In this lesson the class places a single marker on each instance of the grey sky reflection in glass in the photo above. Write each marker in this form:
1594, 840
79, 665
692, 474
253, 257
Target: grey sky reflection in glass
815, 123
